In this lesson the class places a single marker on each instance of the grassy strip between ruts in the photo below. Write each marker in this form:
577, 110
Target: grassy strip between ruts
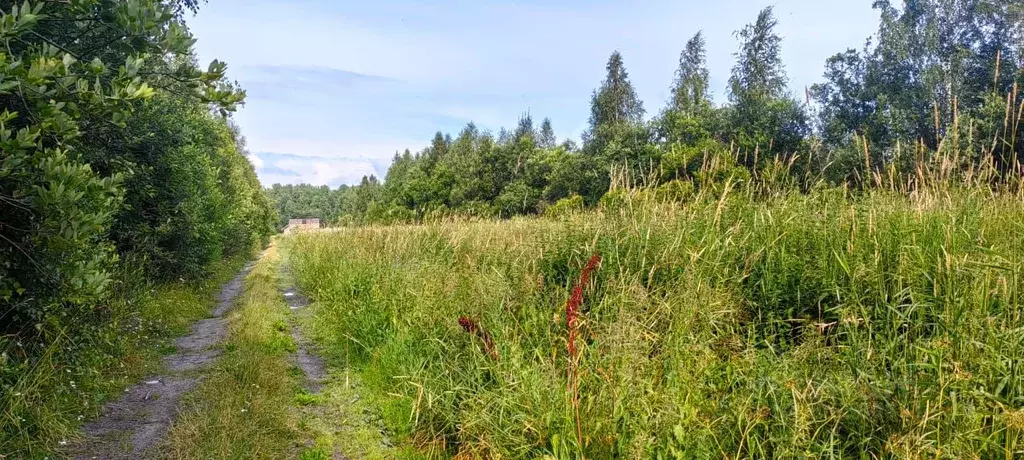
241, 408
51, 397
252, 405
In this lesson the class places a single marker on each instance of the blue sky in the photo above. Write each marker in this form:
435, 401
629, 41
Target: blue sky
335, 87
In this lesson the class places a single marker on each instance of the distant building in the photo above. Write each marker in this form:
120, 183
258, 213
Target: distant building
299, 225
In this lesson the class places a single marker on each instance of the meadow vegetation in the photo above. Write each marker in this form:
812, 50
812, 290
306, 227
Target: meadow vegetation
746, 320
832, 277
837, 275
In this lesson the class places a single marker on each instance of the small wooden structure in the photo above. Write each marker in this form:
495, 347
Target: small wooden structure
300, 225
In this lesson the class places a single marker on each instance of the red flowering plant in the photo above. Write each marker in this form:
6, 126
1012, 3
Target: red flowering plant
572, 319
471, 326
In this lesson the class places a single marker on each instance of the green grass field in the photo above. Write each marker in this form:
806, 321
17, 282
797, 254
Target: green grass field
826, 324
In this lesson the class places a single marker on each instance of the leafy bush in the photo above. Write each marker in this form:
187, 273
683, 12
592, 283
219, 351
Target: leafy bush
675, 191
517, 198
614, 200
118, 167
565, 207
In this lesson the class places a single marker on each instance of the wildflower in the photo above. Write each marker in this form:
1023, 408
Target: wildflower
572, 307
572, 312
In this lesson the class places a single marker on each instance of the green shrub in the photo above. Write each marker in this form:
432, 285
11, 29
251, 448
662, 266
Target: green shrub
614, 200
675, 191
517, 198
565, 207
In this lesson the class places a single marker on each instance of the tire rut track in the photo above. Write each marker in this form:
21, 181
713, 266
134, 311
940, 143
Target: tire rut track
306, 358
136, 422
341, 425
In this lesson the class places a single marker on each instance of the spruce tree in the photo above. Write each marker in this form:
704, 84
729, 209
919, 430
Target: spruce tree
690, 89
614, 107
615, 102
547, 137
524, 128
438, 148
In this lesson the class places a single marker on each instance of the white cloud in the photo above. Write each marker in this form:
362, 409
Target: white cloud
256, 161
337, 149
295, 169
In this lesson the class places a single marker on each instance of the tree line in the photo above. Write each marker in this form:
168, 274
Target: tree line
119, 166
938, 76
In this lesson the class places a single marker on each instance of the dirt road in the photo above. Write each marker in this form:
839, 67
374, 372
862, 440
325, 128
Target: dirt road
135, 423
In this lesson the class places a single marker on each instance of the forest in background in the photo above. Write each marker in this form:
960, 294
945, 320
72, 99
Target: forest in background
937, 76
121, 172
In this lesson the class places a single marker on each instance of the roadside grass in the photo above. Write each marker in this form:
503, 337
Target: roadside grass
341, 419
46, 398
735, 324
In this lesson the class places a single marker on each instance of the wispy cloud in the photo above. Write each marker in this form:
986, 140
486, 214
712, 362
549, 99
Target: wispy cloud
305, 83
351, 83
286, 169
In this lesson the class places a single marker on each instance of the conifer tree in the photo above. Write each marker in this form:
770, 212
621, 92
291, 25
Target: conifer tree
618, 137
547, 137
615, 103
690, 89
524, 128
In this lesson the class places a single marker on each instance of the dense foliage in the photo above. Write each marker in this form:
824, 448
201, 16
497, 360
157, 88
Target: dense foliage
118, 166
936, 73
